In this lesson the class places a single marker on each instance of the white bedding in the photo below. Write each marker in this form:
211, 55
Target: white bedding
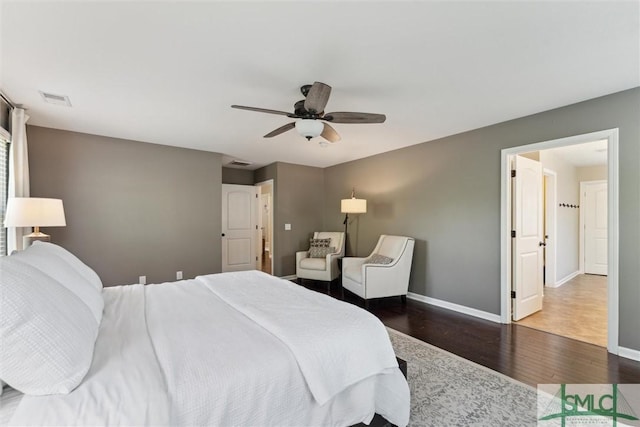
192, 353
322, 329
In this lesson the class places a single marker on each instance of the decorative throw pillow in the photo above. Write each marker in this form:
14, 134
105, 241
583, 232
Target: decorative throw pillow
319, 248
378, 259
47, 333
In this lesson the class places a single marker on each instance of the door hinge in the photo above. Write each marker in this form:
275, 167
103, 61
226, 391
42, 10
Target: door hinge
513, 173
256, 227
513, 294
256, 258
513, 233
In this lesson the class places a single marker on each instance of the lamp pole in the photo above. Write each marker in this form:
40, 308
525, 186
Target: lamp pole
354, 206
346, 234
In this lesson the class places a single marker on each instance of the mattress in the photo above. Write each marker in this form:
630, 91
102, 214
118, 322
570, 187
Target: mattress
211, 351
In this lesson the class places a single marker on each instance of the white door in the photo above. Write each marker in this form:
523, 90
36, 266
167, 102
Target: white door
595, 228
527, 222
239, 227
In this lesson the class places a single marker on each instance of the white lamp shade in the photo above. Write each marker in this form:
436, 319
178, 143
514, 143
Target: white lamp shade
309, 128
34, 212
353, 205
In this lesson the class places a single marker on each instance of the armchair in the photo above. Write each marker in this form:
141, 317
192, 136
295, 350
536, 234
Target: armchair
368, 279
326, 268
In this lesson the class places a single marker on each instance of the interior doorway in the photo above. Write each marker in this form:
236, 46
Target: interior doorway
562, 275
265, 224
573, 305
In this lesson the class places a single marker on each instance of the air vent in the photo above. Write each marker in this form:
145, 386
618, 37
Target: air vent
240, 163
52, 98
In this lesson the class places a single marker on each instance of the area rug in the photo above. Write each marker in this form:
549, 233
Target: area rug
447, 390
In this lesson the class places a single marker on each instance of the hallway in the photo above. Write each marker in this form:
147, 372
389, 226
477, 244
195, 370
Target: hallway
577, 309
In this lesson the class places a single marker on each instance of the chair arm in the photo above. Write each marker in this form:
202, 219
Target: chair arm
384, 280
332, 260
352, 262
387, 279
301, 255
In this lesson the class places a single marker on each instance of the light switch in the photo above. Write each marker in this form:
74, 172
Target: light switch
287, 227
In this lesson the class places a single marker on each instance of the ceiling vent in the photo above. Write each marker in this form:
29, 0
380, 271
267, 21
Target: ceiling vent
240, 163
52, 98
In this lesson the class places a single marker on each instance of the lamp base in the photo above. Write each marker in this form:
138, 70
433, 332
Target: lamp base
36, 235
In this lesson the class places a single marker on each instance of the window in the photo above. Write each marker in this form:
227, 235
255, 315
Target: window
4, 170
4, 181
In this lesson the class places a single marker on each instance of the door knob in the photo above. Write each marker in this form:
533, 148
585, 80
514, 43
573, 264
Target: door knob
222, 234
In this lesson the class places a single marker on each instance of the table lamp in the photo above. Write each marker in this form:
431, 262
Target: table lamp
34, 212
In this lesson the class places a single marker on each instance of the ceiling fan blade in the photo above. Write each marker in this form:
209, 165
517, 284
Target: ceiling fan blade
330, 133
317, 98
262, 110
281, 129
351, 117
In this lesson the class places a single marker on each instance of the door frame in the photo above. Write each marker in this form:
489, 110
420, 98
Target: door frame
550, 219
611, 135
581, 250
272, 235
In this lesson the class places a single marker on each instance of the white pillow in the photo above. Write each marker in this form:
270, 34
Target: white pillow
81, 267
47, 334
40, 257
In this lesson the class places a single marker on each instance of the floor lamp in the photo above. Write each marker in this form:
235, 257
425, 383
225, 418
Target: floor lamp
351, 206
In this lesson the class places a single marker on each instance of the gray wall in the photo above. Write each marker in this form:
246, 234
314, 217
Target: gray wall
132, 208
446, 194
237, 176
299, 201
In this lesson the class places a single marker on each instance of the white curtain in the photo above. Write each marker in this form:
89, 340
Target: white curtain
18, 172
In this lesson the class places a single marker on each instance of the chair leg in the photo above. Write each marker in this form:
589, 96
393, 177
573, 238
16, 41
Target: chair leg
403, 298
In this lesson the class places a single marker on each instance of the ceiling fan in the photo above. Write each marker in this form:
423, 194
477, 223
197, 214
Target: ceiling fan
311, 113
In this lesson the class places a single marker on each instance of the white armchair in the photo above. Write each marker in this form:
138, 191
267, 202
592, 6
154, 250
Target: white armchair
326, 268
369, 280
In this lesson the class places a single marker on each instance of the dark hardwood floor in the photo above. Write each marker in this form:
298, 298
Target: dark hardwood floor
527, 355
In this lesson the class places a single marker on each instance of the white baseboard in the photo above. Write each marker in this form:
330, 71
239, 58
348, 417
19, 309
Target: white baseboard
565, 279
292, 277
456, 307
629, 353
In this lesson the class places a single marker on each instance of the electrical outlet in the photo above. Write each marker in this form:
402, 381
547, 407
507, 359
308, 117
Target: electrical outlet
142, 280
287, 227
178, 275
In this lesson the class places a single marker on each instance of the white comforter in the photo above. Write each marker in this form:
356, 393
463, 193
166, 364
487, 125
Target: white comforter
230, 349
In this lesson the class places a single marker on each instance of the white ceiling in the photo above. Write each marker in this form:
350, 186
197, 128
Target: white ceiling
167, 72
587, 154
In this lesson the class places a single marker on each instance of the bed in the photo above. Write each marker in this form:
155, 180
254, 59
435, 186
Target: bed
242, 349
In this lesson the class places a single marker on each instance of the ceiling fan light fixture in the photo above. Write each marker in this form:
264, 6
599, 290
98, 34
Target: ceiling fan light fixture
309, 128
